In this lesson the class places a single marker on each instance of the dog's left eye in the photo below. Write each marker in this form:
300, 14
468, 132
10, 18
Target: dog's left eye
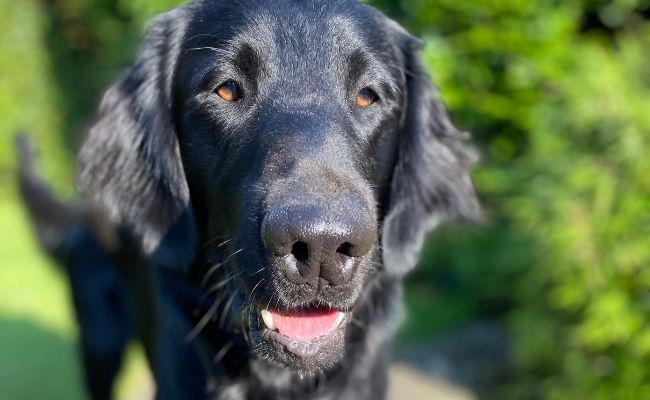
366, 97
229, 91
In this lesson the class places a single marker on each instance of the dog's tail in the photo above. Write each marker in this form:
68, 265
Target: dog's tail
51, 217
56, 222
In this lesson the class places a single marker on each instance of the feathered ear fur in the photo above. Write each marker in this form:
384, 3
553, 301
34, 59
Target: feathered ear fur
130, 162
431, 179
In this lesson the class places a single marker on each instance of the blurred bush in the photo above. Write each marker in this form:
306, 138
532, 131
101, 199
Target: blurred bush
557, 94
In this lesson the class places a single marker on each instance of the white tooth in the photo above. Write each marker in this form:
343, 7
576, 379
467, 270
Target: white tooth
339, 319
268, 319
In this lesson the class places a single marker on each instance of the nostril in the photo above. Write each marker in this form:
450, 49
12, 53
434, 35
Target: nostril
300, 251
345, 249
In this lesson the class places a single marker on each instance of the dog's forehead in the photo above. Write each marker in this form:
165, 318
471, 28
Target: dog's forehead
315, 33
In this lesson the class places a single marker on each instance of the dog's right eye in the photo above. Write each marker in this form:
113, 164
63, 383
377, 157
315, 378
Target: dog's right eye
366, 97
229, 91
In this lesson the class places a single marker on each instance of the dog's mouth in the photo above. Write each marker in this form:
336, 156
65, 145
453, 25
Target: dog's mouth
303, 325
307, 339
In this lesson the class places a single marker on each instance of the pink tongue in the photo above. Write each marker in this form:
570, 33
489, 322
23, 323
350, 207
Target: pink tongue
305, 325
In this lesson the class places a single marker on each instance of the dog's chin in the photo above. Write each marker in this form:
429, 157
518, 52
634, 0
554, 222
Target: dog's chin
306, 341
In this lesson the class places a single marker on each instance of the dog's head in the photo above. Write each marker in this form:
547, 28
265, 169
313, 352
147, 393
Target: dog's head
299, 147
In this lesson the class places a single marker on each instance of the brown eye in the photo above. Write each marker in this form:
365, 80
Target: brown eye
229, 91
366, 98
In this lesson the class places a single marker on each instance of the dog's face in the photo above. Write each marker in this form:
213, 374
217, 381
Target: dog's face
293, 107
304, 137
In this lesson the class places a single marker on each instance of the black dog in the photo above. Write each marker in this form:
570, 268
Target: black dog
280, 164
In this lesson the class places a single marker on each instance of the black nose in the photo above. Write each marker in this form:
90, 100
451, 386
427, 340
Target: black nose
312, 240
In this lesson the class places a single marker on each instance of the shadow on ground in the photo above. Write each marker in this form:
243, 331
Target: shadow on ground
461, 365
36, 363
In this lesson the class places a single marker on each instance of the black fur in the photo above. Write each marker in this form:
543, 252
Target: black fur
218, 192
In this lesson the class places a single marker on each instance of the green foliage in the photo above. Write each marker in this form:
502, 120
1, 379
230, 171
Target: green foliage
557, 94
27, 96
58, 56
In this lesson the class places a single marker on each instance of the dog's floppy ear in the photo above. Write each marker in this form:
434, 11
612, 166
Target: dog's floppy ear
431, 178
130, 161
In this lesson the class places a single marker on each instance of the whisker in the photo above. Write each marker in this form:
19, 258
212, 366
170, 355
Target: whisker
258, 271
209, 242
252, 295
209, 273
222, 353
269, 302
214, 268
221, 284
358, 323
226, 310
198, 35
194, 333
275, 305
224, 243
204, 48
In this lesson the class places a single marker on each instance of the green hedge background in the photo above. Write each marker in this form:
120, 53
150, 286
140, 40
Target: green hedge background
557, 94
